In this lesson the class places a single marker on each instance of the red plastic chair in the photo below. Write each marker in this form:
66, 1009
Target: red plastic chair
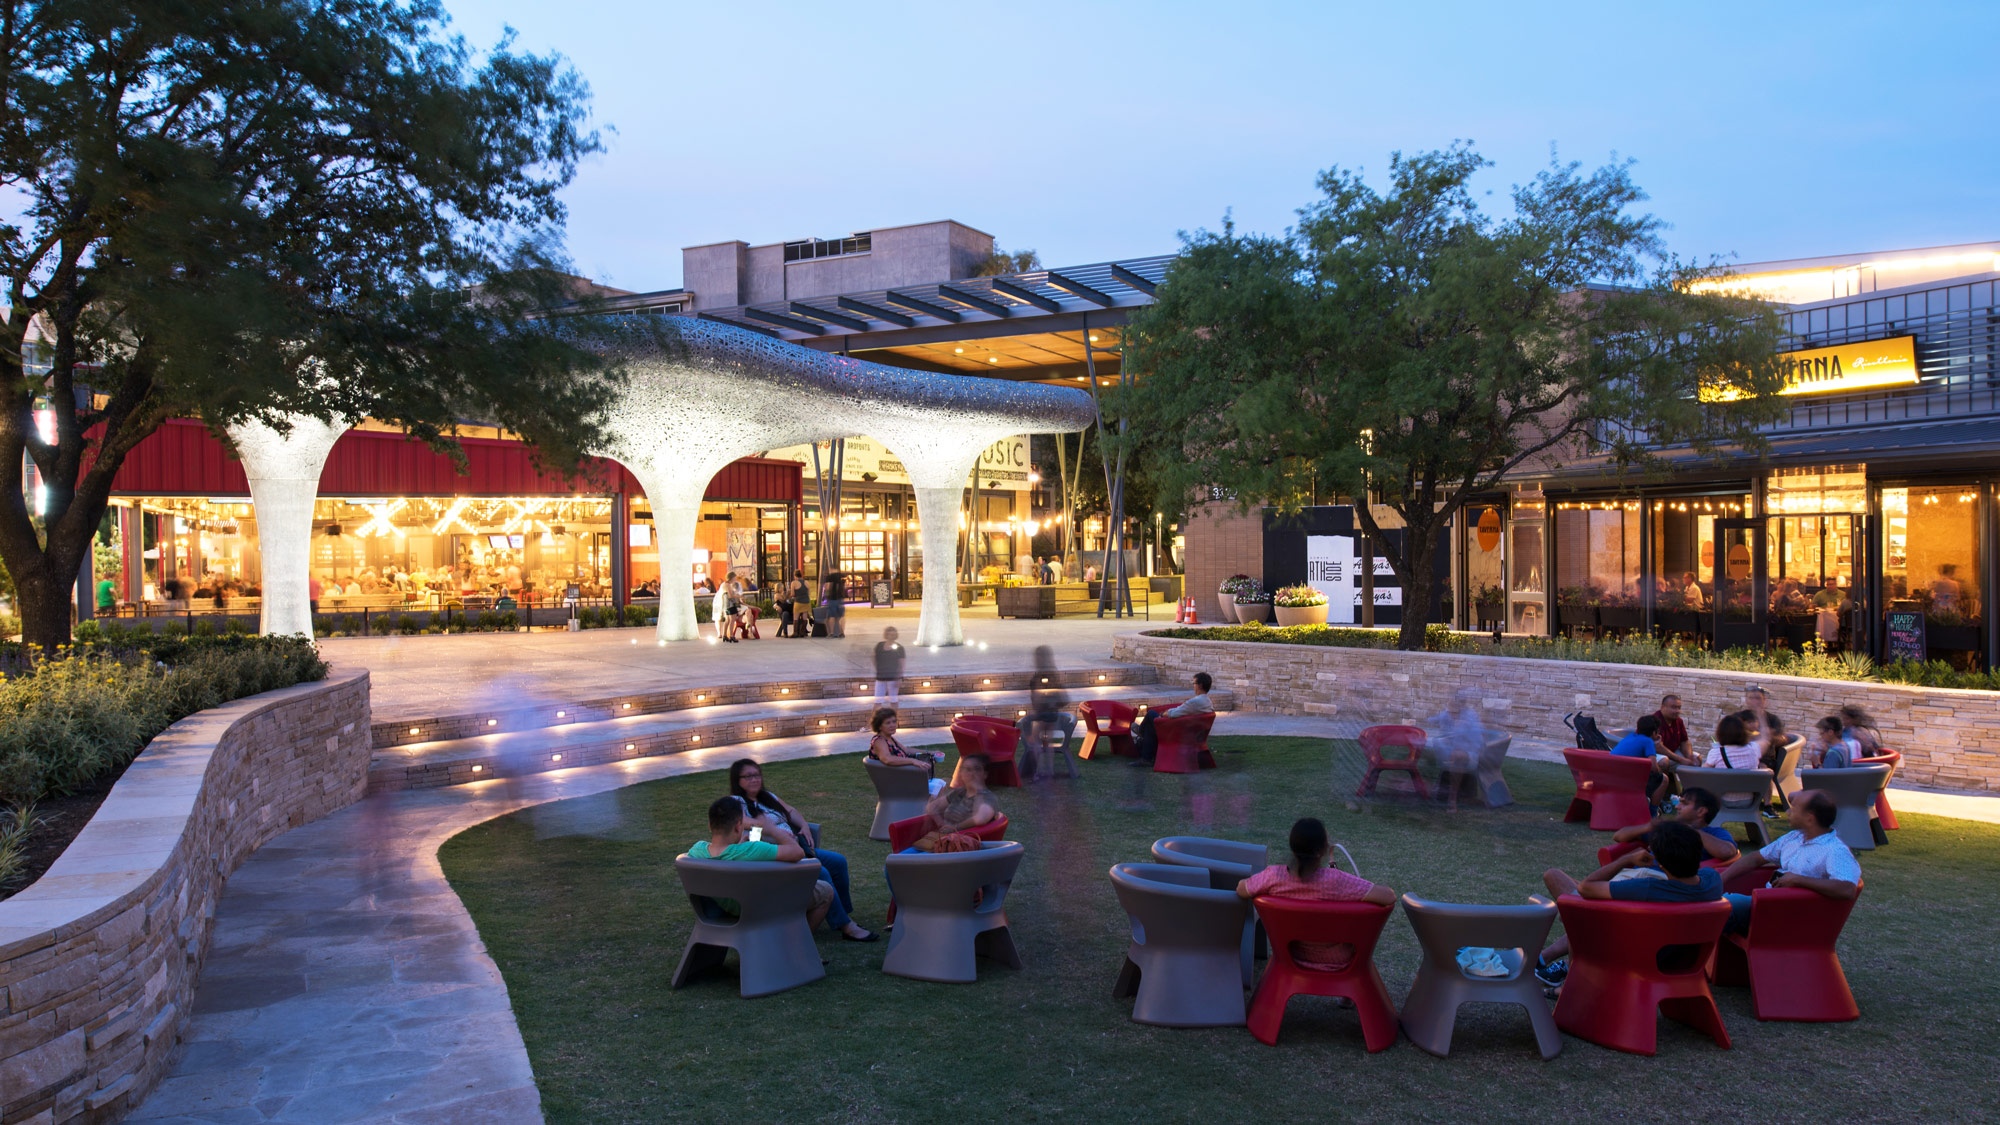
744, 624
1374, 739
1287, 920
1787, 958
1108, 720
1884, 815
1610, 789
1616, 990
1183, 744
1741, 885
994, 743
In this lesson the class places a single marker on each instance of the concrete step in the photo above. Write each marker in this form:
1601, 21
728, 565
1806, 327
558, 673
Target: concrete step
412, 731
456, 761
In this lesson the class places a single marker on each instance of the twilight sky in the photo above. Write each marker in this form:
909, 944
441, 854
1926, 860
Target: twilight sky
1096, 130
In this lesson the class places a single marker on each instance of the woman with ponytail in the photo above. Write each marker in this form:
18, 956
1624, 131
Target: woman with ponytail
1308, 877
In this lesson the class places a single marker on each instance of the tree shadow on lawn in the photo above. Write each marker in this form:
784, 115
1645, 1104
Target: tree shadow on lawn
588, 926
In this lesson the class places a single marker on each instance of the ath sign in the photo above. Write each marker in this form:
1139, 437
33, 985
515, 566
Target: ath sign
1844, 367
1333, 567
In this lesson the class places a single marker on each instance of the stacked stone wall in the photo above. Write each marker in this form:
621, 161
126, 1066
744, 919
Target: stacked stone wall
98, 958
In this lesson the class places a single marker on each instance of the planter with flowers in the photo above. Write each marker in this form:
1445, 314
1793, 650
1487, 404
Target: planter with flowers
1299, 605
1225, 594
1253, 606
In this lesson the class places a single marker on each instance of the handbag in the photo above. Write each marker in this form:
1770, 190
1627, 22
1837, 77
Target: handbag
820, 614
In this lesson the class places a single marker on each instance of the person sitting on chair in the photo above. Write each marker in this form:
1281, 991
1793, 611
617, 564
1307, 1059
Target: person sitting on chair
1809, 856
765, 809
732, 837
1669, 871
966, 805
1146, 741
1308, 877
885, 749
1697, 809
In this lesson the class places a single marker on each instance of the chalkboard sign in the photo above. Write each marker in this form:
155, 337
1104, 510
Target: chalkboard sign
878, 595
1905, 628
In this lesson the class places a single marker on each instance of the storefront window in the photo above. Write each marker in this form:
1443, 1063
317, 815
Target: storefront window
1597, 553
1527, 594
1485, 567
430, 549
1930, 556
1684, 550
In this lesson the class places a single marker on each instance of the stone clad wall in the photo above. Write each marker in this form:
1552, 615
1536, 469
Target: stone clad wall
98, 958
1948, 738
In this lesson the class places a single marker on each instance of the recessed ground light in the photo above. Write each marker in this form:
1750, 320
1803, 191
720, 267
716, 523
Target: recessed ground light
555, 757
756, 730
697, 738
784, 691
927, 683
476, 769
958, 714
822, 722
993, 359
1045, 679
492, 722
628, 707
413, 730
1020, 712
1100, 679
560, 714
958, 351
990, 681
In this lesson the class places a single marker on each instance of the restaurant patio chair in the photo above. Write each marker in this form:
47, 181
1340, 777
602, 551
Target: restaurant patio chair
1610, 789
1853, 790
1181, 964
1378, 738
1052, 742
1742, 793
1884, 815
1106, 720
903, 833
1516, 933
901, 792
1227, 863
1183, 743
1290, 920
1787, 782
995, 743
1787, 957
774, 945
952, 911
1617, 990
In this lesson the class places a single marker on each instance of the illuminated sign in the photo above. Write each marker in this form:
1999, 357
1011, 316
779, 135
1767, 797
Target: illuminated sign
1845, 367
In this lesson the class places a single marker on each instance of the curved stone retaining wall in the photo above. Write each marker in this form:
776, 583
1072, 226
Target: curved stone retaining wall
98, 958
1948, 738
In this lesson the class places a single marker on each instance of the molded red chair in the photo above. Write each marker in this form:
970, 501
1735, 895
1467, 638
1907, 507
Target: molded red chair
744, 625
1616, 990
1183, 744
1742, 885
1108, 720
994, 743
1610, 789
1884, 815
1287, 920
1787, 958
1375, 739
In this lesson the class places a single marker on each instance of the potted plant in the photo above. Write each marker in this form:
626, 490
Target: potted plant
1490, 604
1225, 594
1621, 611
1576, 606
1299, 605
1950, 629
1253, 605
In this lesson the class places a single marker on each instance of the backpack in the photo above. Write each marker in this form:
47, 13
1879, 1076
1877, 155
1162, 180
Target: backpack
1588, 737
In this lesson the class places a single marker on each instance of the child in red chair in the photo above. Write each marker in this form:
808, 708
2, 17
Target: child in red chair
1673, 847
1308, 877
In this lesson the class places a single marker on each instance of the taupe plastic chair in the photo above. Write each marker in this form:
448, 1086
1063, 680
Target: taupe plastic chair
774, 946
939, 933
1517, 933
1492, 759
1227, 863
1742, 793
1787, 781
1853, 790
1182, 964
901, 792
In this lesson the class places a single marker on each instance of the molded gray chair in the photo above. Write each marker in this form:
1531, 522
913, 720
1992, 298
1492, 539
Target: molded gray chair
1787, 781
1046, 749
901, 792
1227, 863
1492, 781
1518, 933
939, 932
1186, 941
1853, 790
1742, 793
773, 944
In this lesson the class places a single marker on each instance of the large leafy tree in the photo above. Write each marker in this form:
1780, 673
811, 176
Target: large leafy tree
1405, 344
230, 209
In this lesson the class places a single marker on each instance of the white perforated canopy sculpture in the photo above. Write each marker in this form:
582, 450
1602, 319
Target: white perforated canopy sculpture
697, 395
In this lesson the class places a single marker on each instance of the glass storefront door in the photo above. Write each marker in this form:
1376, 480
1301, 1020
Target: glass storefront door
1811, 572
1931, 562
1484, 567
1741, 587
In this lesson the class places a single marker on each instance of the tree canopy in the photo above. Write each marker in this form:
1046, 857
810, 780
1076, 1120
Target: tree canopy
232, 209
1404, 344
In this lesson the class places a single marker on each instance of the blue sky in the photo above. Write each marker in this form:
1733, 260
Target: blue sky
1090, 131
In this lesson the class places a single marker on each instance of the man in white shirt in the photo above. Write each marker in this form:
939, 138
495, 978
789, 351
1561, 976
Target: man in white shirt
1147, 742
1810, 857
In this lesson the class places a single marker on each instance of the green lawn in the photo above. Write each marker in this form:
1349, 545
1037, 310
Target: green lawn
578, 903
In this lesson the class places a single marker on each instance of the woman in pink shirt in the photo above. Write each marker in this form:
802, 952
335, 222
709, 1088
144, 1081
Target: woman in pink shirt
1308, 877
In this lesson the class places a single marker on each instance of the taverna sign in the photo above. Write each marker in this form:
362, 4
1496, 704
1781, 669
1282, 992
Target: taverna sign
1844, 367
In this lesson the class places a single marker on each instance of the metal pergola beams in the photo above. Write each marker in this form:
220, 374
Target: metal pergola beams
1078, 289
789, 323
978, 304
736, 324
1128, 278
1025, 296
847, 322
922, 307
873, 313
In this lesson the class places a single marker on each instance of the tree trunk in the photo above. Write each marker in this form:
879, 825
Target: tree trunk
1419, 576
44, 604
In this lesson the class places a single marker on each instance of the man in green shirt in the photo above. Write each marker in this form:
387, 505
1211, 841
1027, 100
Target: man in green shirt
106, 595
728, 838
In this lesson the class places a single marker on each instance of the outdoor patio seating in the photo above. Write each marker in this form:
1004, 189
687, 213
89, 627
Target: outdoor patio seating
1516, 933
1610, 789
901, 792
1486, 782
1617, 989
1378, 738
774, 945
1181, 965
1788, 957
1853, 790
1884, 815
1183, 743
903, 833
993, 742
1227, 863
1290, 920
1742, 793
1051, 742
1743, 884
1787, 781
951, 911
1106, 720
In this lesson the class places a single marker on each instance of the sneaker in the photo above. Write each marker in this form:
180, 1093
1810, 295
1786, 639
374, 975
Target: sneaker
1552, 973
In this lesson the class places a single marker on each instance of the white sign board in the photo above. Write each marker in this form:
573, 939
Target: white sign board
1333, 567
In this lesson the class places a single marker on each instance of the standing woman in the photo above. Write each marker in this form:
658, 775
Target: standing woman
834, 595
802, 605
762, 807
718, 612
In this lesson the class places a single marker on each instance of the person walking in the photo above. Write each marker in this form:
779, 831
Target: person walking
833, 596
802, 605
718, 612
889, 654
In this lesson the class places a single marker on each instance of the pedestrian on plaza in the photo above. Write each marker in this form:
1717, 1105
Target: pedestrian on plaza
888, 666
833, 599
802, 605
718, 612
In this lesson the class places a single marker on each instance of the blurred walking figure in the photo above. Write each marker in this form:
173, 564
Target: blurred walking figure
1048, 719
1457, 737
888, 666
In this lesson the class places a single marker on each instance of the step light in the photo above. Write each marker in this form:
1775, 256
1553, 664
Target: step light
555, 757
